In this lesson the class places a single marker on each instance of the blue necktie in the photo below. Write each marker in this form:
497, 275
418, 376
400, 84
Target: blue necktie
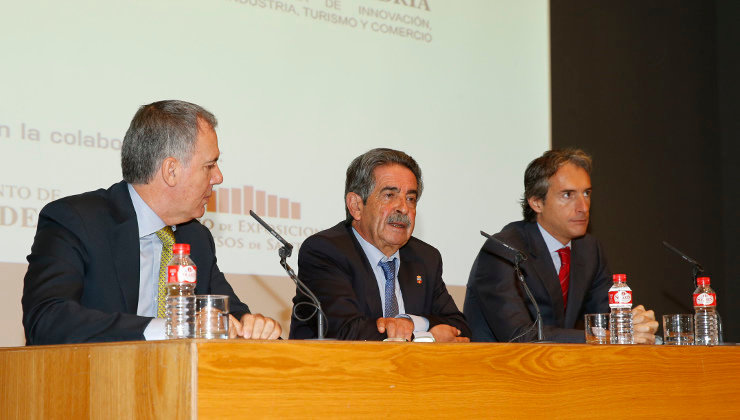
391, 304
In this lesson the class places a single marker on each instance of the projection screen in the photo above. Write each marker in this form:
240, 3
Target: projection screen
300, 88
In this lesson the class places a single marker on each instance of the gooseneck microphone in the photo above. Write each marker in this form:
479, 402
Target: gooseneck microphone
519, 257
519, 254
696, 270
284, 252
697, 267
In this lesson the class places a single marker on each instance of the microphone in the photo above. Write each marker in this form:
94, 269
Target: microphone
519, 257
697, 267
284, 252
287, 248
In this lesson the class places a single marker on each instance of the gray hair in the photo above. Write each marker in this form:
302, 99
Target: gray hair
360, 177
538, 173
160, 130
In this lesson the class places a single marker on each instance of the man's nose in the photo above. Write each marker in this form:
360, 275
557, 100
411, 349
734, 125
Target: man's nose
218, 177
402, 206
583, 203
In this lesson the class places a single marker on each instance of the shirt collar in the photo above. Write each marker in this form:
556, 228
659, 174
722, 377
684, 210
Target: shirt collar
147, 219
373, 254
552, 244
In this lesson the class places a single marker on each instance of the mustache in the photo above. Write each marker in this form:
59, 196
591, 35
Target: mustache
399, 218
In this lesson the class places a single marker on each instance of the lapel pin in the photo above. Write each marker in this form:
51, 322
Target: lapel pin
418, 279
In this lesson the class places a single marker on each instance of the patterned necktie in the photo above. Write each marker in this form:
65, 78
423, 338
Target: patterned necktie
564, 274
391, 303
168, 239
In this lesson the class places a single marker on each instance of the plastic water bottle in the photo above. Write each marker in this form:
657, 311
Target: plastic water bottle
620, 302
705, 314
180, 304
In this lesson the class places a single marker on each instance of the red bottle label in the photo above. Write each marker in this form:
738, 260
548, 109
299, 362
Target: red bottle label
620, 299
705, 299
181, 274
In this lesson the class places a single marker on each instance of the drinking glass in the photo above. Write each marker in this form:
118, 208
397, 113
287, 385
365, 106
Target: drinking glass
597, 328
678, 329
212, 316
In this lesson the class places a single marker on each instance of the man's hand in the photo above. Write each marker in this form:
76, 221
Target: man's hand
254, 326
396, 327
444, 333
644, 325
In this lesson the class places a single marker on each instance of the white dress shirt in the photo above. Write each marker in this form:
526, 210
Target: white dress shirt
374, 255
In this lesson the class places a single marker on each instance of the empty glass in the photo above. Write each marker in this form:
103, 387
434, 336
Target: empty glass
212, 316
597, 328
678, 329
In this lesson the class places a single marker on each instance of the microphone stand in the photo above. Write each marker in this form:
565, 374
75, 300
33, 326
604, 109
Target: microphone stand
518, 259
695, 271
284, 252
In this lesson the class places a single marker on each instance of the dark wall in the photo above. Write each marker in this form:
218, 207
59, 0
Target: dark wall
650, 89
728, 70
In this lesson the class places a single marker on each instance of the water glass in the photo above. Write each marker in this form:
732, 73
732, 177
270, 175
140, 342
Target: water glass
597, 328
212, 316
678, 329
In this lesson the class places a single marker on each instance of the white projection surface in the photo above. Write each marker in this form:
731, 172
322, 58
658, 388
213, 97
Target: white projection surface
300, 88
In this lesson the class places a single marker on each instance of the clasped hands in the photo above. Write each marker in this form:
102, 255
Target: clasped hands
255, 327
644, 325
404, 328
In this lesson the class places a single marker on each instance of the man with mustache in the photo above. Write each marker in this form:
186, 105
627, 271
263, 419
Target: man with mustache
566, 267
373, 279
98, 260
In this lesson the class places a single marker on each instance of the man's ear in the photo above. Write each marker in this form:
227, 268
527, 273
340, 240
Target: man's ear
170, 171
536, 204
354, 204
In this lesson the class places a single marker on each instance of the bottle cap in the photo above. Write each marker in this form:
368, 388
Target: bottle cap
619, 278
181, 249
702, 281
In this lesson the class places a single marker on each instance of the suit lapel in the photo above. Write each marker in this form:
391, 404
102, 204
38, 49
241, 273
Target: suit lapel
545, 269
411, 267
124, 242
577, 286
368, 282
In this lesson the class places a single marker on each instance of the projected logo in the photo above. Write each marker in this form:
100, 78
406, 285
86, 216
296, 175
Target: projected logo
241, 200
227, 217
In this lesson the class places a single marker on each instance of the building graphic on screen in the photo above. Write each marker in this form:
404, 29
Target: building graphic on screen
241, 200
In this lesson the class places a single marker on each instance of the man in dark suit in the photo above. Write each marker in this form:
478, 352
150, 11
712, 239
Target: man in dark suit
373, 279
95, 263
566, 268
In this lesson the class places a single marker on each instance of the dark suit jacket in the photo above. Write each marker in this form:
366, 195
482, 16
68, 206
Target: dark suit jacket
82, 283
497, 308
335, 268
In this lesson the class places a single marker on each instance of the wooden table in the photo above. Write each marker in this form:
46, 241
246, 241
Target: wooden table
331, 379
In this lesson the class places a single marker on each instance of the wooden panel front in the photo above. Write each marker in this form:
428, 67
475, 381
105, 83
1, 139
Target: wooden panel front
409, 380
98, 381
308, 379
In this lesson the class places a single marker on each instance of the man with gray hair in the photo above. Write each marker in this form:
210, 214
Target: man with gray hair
373, 279
97, 260
565, 269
